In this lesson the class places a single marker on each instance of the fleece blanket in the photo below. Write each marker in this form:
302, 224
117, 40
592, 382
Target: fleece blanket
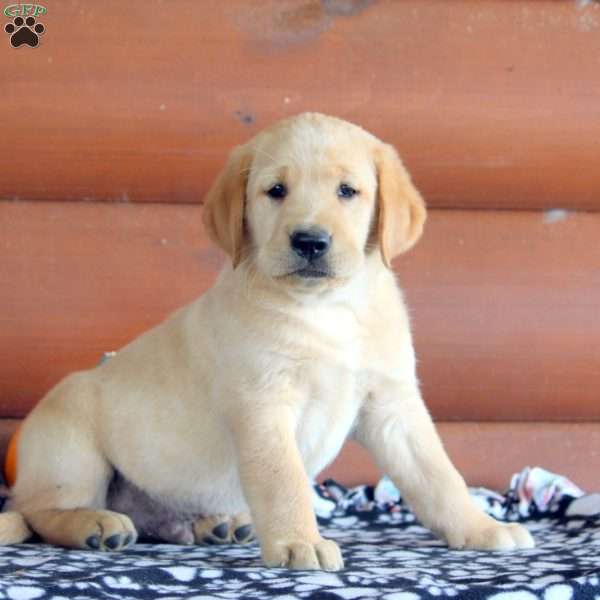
388, 555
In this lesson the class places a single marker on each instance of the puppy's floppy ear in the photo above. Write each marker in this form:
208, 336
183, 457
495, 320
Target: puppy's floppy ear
224, 203
401, 208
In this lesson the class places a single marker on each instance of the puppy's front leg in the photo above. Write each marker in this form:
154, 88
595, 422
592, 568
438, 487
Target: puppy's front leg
396, 427
278, 492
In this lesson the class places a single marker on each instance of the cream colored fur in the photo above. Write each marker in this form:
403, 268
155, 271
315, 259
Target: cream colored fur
237, 400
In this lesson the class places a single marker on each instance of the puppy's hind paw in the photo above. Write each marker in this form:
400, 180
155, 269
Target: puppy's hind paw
223, 529
104, 530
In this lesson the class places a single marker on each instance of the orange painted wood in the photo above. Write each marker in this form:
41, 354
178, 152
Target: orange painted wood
505, 315
504, 304
491, 103
80, 279
487, 454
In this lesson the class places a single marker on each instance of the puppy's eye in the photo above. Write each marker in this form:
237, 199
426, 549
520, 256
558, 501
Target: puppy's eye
346, 191
278, 191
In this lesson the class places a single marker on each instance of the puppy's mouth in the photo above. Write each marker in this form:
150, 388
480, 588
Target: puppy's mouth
311, 272
307, 272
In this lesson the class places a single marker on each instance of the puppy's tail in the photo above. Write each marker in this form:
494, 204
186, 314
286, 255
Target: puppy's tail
13, 528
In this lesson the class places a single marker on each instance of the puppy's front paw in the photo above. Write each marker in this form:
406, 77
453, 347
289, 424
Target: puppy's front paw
493, 535
301, 554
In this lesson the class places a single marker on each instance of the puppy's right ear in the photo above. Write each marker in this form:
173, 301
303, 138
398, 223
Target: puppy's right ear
224, 204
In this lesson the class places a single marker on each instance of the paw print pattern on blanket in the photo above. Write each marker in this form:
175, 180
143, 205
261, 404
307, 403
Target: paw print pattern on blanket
387, 553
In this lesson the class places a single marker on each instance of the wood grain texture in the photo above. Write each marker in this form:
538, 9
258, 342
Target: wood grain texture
505, 315
487, 454
504, 304
81, 279
491, 103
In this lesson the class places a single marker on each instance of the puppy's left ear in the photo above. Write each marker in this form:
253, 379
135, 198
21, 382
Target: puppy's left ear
224, 204
401, 209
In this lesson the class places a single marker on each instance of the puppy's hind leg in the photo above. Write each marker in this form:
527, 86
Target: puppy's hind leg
62, 478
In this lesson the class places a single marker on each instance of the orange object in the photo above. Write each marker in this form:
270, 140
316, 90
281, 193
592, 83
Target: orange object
10, 463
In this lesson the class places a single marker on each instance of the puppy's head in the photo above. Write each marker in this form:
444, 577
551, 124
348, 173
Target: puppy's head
307, 199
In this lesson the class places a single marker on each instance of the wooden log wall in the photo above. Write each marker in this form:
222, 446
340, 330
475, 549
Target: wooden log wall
115, 125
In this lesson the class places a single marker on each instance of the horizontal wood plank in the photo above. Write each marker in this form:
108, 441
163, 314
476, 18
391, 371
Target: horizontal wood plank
80, 279
505, 314
504, 304
493, 103
487, 454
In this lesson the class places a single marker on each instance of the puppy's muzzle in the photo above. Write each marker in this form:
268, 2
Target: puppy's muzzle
310, 244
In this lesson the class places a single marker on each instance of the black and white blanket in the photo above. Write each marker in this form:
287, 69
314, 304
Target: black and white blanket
387, 553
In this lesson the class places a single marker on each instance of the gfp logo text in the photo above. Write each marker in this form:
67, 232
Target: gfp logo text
24, 10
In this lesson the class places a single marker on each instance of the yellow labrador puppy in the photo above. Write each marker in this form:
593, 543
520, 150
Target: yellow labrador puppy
232, 405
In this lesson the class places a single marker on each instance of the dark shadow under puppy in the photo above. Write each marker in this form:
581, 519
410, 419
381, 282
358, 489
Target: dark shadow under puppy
153, 520
156, 521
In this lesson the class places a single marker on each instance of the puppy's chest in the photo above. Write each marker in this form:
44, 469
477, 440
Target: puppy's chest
330, 333
330, 384
326, 417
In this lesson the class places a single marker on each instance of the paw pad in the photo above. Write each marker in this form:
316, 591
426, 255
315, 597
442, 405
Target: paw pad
223, 529
93, 542
243, 534
24, 31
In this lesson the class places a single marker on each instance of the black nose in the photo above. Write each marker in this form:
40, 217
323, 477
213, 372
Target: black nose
310, 243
